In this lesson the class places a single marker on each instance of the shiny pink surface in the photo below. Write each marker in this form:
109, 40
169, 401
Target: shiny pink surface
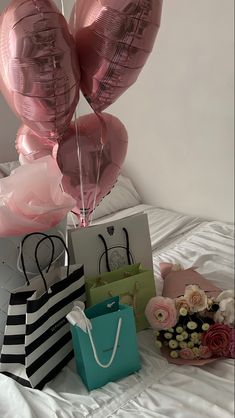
114, 40
31, 146
91, 179
39, 69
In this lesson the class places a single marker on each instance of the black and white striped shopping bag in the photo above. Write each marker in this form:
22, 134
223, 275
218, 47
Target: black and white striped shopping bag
37, 340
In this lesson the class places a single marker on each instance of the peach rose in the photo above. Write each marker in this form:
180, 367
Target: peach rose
196, 298
181, 302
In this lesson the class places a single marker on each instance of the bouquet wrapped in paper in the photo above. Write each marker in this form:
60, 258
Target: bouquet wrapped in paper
193, 320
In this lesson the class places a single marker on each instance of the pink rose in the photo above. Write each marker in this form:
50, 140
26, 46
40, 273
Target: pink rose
231, 349
186, 354
218, 339
204, 352
161, 313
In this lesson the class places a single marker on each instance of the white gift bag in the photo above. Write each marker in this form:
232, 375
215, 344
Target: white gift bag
109, 246
11, 274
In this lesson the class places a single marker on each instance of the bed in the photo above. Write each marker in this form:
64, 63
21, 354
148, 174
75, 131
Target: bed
160, 389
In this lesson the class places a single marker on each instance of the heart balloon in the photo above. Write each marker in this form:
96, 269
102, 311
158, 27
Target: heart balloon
39, 69
114, 40
30, 146
90, 166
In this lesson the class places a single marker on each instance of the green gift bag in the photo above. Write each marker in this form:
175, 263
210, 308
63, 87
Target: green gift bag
133, 284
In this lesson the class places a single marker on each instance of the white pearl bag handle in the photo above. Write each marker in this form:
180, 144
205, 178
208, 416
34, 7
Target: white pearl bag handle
107, 365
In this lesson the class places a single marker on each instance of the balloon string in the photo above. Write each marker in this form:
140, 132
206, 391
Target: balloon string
103, 128
79, 155
83, 216
75, 19
103, 140
97, 180
62, 7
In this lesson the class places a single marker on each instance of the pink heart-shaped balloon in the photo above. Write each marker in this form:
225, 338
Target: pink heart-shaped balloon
89, 164
30, 146
39, 69
114, 40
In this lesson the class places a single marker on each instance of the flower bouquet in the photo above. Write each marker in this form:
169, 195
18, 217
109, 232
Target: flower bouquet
193, 328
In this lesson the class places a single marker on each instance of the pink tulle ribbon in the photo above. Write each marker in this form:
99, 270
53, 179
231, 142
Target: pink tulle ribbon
32, 199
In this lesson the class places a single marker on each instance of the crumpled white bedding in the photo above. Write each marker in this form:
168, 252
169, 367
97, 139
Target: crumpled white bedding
159, 389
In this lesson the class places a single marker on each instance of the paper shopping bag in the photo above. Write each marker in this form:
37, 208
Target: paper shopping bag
109, 246
37, 340
132, 283
11, 274
108, 351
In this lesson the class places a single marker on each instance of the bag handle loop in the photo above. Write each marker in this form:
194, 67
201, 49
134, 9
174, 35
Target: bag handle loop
106, 252
36, 255
107, 365
127, 248
19, 256
22, 255
127, 245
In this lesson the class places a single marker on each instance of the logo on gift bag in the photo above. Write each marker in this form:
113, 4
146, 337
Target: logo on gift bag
59, 325
110, 230
117, 259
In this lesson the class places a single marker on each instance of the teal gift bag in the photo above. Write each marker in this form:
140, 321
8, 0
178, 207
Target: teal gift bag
108, 351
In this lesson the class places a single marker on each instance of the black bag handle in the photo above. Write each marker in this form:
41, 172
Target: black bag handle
51, 261
22, 254
106, 249
127, 245
106, 252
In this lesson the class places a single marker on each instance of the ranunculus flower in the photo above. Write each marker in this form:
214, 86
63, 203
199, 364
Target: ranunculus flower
186, 354
161, 313
196, 298
204, 352
218, 339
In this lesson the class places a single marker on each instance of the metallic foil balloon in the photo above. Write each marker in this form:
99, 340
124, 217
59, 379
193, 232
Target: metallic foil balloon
90, 167
39, 69
30, 146
114, 39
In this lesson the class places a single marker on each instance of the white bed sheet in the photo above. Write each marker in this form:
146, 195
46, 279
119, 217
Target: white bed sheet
159, 389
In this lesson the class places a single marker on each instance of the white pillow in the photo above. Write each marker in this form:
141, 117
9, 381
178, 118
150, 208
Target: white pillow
6, 168
122, 196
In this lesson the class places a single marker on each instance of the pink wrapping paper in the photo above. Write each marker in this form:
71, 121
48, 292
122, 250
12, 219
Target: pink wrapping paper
32, 200
176, 281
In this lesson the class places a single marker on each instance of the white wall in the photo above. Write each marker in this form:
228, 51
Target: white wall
179, 114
